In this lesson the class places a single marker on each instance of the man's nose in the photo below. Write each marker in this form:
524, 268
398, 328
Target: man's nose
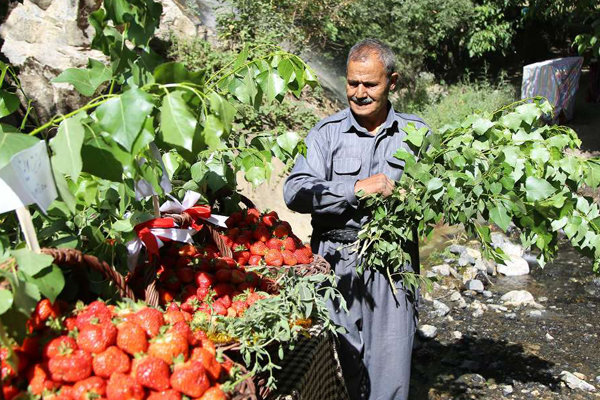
361, 91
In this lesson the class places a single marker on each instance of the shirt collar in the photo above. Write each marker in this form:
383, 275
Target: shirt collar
352, 125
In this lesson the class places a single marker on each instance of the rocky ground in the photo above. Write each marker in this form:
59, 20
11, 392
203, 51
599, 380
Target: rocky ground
524, 335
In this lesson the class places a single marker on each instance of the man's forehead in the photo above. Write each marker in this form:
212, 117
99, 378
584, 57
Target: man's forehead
373, 68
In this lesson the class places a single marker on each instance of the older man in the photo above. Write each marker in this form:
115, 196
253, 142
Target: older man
350, 154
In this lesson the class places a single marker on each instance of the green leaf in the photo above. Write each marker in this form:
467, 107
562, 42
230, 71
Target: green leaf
538, 189
99, 160
12, 143
434, 184
123, 116
63, 187
212, 133
31, 263
25, 297
271, 84
286, 70
118, 9
175, 72
9, 103
529, 112
256, 175
222, 109
6, 300
177, 123
85, 80
414, 135
288, 141
240, 60
49, 282
482, 125
499, 216
67, 146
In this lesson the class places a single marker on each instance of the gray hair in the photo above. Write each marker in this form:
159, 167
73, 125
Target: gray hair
366, 47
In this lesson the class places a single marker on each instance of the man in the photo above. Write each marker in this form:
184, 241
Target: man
348, 155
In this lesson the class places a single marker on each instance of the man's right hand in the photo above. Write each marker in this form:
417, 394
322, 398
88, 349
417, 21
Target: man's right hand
379, 183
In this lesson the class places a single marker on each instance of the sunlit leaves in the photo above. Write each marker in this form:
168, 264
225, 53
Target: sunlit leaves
85, 80
9, 103
177, 123
538, 189
67, 146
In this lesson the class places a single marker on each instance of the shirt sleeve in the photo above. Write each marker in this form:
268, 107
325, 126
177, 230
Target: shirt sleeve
307, 189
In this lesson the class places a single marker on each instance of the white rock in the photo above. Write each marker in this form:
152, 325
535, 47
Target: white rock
440, 308
427, 331
477, 313
515, 266
487, 294
469, 273
475, 285
510, 316
442, 269
575, 383
462, 303
517, 298
542, 299
549, 336
598, 379
456, 335
535, 313
580, 376
431, 274
498, 308
506, 389
456, 296
173, 20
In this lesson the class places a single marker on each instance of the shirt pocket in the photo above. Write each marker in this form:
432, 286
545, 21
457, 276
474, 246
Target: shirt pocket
395, 168
346, 167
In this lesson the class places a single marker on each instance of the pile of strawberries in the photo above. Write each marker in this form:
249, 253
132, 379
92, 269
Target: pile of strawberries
257, 239
201, 280
128, 352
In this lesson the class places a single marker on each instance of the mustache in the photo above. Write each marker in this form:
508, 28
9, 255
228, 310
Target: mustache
361, 102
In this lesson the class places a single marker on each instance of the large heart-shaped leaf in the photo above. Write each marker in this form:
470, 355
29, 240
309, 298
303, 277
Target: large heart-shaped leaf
177, 123
86, 80
67, 146
9, 103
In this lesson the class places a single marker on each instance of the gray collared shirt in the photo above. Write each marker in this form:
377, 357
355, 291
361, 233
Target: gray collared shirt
339, 153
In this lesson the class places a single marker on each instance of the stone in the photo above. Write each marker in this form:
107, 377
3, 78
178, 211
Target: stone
499, 238
456, 335
462, 303
475, 285
487, 294
173, 21
469, 293
598, 379
455, 296
514, 266
477, 313
471, 380
580, 376
427, 331
549, 336
517, 298
498, 308
440, 308
510, 316
431, 274
456, 249
469, 273
575, 383
442, 269
506, 389
481, 265
534, 313
542, 299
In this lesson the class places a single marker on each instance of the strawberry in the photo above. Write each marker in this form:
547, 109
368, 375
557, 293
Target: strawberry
185, 274
223, 275
281, 231
165, 296
258, 248
39, 379
223, 289
219, 308
261, 233
209, 362
233, 232
150, 319
188, 250
151, 372
173, 316
214, 393
131, 338
301, 257
225, 300
275, 243
9, 392
289, 244
62, 344
204, 279
252, 216
241, 257
255, 260
110, 361
237, 276
96, 312
90, 388
190, 304
70, 323
71, 367
208, 345
274, 258
164, 395
201, 293
96, 338
31, 346
169, 346
239, 307
44, 310
270, 219
234, 219
289, 258
123, 387
190, 379
225, 263
306, 249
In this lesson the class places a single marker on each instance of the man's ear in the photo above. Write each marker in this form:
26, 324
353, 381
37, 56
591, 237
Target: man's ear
393, 80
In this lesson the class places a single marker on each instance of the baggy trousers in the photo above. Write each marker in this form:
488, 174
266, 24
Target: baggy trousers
375, 353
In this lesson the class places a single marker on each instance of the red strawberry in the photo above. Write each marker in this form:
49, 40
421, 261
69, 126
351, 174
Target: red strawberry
110, 361
274, 258
150, 319
307, 250
301, 257
70, 323
44, 310
214, 393
255, 260
9, 392
190, 379
274, 243
258, 248
169, 346
90, 388
165, 395
131, 338
223, 289
223, 275
165, 296
60, 345
225, 300
209, 362
234, 219
219, 308
39, 379
237, 276
188, 250
225, 262
96, 312
72, 367
281, 231
173, 316
190, 304
242, 257
289, 258
239, 307
289, 244
96, 338
252, 216
151, 372
123, 387
261, 233
185, 274
204, 279
270, 218
31, 346
201, 293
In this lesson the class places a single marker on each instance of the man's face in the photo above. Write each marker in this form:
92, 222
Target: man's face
367, 88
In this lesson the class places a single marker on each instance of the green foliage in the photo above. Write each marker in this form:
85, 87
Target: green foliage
498, 168
589, 42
